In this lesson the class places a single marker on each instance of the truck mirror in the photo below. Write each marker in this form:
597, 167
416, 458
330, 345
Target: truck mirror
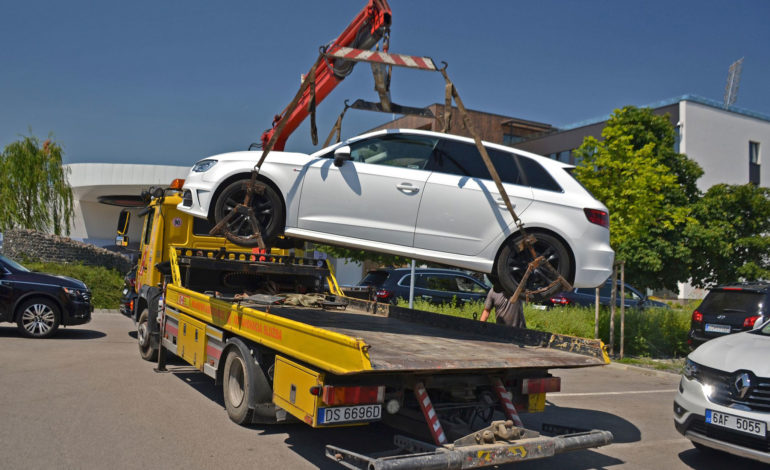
123, 220
121, 240
341, 155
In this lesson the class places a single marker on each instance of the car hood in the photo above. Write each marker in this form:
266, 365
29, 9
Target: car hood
244, 155
735, 352
44, 278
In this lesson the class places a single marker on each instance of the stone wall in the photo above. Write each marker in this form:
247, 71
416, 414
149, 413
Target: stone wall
29, 244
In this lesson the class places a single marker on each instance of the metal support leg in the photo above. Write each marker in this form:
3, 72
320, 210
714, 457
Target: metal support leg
430, 414
506, 399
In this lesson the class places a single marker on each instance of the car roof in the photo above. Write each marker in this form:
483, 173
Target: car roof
756, 286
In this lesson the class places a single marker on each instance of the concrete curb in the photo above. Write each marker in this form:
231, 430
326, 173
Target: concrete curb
107, 311
642, 370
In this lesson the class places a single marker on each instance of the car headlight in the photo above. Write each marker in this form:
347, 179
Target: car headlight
203, 165
76, 294
691, 370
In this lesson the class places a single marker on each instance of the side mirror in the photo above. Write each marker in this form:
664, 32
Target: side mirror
121, 240
123, 220
341, 155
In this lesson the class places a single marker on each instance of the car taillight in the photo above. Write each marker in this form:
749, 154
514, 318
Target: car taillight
598, 217
749, 322
384, 294
697, 317
560, 301
333, 395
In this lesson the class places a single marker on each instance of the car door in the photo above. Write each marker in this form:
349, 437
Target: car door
462, 211
6, 293
374, 196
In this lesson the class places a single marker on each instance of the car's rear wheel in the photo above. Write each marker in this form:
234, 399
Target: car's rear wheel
512, 263
236, 387
265, 203
38, 318
147, 347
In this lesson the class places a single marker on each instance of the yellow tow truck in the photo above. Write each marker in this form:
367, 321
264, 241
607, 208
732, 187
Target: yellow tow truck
273, 328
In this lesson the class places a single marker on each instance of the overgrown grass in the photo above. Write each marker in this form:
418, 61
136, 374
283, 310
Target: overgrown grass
655, 332
105, 284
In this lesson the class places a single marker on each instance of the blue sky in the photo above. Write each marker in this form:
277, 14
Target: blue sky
171, 82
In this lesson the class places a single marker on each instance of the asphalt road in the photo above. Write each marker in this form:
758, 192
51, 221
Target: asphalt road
86, 400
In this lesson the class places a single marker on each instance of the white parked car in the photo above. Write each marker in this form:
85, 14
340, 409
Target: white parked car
417, 194
724, 395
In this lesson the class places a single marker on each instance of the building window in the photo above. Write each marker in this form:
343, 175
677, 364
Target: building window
510, 139
677, 138
754, 163
564, 156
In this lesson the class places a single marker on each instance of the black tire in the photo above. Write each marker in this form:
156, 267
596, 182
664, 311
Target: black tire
38, 318
267, 207
148, 347
511, 264
236, 387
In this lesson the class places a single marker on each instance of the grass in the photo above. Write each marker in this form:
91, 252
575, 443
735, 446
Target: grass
652, 333
105, 284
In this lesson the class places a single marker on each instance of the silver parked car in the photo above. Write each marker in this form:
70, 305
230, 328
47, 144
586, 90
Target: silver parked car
419, 194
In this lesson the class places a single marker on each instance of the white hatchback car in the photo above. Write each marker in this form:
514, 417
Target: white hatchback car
724, 395
417, 194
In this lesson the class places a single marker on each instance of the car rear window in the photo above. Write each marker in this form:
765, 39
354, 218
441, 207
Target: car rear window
374, 278
736, 300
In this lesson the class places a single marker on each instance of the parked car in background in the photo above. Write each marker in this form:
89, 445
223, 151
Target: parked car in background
723, 401
39, 303
729, 309
586, 297
419, 194
432, 284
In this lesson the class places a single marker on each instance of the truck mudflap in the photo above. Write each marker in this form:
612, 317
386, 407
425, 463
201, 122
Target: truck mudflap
502, 442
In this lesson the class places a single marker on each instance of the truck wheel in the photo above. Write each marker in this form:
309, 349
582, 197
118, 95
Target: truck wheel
147, 349
267, 207
511, 264
38, 318
236, 387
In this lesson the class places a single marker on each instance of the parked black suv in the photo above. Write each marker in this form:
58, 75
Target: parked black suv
586, 297
434, 285
38, 303
729, 309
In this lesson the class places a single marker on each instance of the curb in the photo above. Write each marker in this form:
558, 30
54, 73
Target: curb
642, 370
107, 311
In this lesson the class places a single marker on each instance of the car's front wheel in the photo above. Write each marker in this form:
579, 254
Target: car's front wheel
513, 260
265, 205
38, 318
148, 348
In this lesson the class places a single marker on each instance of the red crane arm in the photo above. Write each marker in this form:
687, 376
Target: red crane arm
362, 33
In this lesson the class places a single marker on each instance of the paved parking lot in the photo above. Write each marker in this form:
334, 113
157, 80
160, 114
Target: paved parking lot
85, 400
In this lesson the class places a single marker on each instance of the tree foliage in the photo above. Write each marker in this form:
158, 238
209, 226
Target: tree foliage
381, 259
649, 189
731, 241
34, 187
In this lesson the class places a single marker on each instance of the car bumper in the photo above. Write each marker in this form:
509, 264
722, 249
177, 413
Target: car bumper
596, 265
196, 195
78, 313
690, 407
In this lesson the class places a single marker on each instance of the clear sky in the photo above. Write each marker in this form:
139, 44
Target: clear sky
171, 82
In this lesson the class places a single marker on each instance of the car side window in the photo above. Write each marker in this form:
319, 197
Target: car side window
441, 282
462, 158
466, 284
537, 176
400, 150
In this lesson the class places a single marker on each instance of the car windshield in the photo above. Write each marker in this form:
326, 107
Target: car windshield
732, 300
13, 264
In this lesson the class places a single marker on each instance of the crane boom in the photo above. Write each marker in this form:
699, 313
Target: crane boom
366, 29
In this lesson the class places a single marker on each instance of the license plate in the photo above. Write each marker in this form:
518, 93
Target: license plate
346, 414
711, 328
736, 423
539, 307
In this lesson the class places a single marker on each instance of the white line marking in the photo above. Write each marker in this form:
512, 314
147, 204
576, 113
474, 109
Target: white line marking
592, 394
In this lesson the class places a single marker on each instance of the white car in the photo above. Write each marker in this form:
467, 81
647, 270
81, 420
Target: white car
724, 395
417, 194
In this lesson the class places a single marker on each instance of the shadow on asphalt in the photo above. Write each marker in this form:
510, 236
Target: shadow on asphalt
711, 459
623, 431
62, 334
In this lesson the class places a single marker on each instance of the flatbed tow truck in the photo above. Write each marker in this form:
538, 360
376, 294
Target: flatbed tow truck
274, 330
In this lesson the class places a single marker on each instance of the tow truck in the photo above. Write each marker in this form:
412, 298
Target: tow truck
275, 331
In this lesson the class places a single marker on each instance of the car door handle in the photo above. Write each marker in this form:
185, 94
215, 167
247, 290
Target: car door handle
407, 187
501, 202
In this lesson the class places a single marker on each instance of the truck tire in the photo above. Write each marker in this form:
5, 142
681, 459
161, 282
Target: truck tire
237, 387
148, 347
511, 264
267, 207
38, 318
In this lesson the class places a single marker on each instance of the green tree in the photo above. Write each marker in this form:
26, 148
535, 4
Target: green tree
649, 189
360, 255
731, 241
34, 188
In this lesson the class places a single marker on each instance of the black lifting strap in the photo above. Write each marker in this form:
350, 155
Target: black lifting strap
337, 126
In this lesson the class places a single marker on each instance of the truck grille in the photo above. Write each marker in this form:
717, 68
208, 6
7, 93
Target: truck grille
725, 393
